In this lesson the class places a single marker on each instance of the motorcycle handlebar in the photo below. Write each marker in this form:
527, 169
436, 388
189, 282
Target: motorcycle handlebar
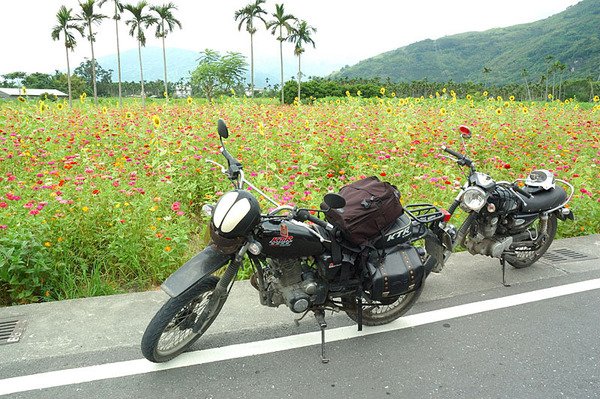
461, 159
521, 191
452, 152
303, 215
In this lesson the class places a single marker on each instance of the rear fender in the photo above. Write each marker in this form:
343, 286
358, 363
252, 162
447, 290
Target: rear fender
204, 263
435, 249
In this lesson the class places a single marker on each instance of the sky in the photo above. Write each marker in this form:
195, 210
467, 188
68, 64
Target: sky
347, 30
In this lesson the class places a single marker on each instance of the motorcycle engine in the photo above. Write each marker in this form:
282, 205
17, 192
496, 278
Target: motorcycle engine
482, 239
293, 283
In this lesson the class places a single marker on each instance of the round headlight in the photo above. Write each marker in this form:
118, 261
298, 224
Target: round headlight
474, 198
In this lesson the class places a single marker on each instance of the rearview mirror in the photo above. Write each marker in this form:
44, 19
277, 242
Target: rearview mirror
334, 201
222, 129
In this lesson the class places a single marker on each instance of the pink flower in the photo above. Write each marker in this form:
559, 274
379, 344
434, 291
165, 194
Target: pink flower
176, 206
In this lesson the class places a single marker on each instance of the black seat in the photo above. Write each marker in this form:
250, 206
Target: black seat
543, 200
397, 233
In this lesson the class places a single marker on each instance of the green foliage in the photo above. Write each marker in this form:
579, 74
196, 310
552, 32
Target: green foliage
316, 88
218, 74
24, 268
103, 78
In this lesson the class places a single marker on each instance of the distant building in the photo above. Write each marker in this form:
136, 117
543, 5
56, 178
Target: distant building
182, 91
8, 92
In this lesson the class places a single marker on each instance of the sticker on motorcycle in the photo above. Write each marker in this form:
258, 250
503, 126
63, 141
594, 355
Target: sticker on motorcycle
281, 241
283, 230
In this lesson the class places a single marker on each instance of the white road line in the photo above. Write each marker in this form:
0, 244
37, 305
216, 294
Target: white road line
142, 366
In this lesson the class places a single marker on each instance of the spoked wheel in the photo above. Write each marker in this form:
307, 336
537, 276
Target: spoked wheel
170, 331
525, 255
376, 313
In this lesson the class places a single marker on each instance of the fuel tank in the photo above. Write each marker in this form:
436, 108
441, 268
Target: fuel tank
286, 239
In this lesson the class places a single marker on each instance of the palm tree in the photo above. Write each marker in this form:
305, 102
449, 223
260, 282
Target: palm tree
165, 15
300, 35
89, 18
281, 20
66, 25
524, 74
246, 16
137, 24
117, 18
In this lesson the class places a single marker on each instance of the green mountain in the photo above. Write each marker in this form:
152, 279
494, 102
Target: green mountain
571, 37
180, 62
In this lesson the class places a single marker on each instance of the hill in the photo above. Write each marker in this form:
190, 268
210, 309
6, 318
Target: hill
571, 37
180, 62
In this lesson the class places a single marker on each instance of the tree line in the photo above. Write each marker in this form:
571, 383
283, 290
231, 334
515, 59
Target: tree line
226, 70
316, 88
218, 74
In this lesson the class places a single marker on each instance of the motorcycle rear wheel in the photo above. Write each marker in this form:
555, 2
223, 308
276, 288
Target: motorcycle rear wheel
376, 313
170, 332
529, 257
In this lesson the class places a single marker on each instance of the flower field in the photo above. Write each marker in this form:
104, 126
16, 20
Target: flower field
100, 200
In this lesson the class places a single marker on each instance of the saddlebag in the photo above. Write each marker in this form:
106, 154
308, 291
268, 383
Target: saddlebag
393, 272
372, 206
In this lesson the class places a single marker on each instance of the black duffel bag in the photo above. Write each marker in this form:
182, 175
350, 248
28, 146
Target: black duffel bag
372, 206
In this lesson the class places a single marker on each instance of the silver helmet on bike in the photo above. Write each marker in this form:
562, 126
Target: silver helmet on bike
236, 214
540, 178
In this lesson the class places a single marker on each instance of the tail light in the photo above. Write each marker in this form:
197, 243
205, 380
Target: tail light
447, 215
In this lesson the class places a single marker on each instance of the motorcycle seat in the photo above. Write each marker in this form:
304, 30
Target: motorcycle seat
397, 233
543, 200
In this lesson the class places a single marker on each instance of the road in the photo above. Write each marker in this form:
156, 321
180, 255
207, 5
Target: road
467, 337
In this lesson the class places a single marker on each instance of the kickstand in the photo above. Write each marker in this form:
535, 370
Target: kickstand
503, 263
320, 316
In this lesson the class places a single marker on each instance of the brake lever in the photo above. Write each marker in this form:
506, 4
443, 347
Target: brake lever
223, 168
454, 159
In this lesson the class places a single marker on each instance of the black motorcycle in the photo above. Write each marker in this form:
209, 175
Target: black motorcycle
299, 260
512, 221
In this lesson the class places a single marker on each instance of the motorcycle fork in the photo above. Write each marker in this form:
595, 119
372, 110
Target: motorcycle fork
221, 291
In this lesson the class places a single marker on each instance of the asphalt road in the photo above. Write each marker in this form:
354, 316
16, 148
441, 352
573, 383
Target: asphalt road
467, 337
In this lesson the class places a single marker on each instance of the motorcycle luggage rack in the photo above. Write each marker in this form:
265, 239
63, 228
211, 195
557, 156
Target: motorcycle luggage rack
424, 213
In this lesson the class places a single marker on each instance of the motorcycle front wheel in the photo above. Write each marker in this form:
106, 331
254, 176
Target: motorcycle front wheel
376, 313
170, 332
526, 256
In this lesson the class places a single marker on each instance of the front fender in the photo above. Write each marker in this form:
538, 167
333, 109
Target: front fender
204, 263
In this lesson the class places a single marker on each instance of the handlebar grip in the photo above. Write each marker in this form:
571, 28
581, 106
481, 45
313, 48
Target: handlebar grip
521, 191
452, 152
303, 215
